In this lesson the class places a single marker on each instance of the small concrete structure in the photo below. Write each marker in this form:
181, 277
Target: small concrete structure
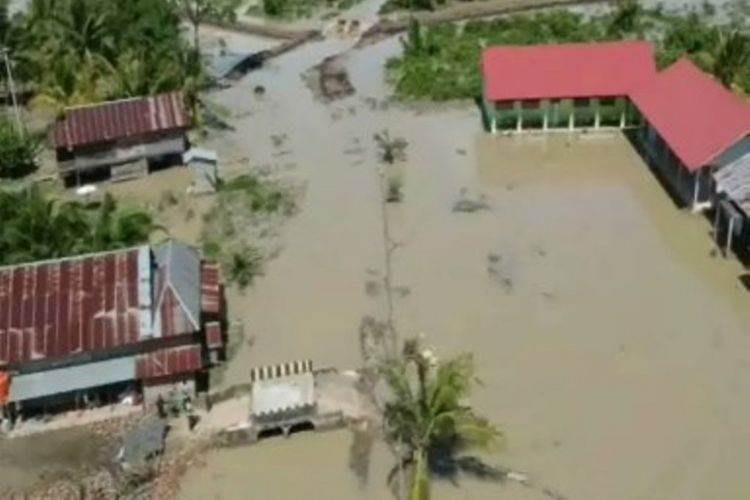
284, 398
283, 403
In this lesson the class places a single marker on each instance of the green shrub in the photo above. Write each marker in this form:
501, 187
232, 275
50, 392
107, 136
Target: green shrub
18, 151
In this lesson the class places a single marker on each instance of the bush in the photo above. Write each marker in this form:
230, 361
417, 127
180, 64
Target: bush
18, 151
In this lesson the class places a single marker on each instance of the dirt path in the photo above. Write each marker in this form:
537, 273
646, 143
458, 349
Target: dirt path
467, 11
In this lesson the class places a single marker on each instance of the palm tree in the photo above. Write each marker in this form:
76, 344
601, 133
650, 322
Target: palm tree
731, 56
244, 265
428, 421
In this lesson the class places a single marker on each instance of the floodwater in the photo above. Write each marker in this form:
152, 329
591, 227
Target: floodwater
613, 349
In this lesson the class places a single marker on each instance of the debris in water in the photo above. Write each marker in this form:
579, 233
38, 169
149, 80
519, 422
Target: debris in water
333, 79
278, 140
461, 152
499, 272
466, 204
372, 288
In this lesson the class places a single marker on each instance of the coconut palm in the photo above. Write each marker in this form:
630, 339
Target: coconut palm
428, 420
732, 56
36, 227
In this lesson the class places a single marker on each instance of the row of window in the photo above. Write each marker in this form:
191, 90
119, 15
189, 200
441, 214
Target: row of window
580, 102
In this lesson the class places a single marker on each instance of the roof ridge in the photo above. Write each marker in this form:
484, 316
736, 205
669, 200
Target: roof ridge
118, 101
69, 258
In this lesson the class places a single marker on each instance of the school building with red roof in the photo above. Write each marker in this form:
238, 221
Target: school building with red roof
684, 122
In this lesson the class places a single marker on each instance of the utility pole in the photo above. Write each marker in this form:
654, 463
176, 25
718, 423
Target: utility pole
12, 90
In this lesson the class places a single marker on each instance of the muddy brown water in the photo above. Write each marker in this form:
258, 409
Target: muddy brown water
613, 349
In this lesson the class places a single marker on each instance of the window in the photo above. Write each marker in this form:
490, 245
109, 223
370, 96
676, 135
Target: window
581, 102
504, 105
530, 104
606, 101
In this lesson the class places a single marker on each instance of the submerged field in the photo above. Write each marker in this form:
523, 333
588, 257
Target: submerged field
612, 347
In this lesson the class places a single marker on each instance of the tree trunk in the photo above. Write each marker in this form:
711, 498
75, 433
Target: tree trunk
196, 37
420, 488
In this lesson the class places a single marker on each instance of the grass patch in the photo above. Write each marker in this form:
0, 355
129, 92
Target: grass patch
246, 209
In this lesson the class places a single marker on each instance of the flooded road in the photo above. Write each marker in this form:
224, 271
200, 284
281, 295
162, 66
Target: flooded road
613, 349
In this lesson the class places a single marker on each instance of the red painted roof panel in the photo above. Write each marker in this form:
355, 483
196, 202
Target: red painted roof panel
121, 119
566, 70
695, 115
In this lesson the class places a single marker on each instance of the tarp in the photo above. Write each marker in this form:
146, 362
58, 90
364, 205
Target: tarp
4, 387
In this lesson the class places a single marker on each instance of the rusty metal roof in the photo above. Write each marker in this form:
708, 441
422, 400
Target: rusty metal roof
170, 361
125, 118
60, 308
210, 288
214, 336
97, 302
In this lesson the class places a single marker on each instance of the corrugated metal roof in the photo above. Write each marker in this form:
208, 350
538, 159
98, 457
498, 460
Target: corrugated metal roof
72, 378
112, 120
567, 70
178, 291
734, 180
210, 288
170, 361
58, 308
695, 115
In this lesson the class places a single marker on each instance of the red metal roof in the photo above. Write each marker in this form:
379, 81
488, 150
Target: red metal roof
210, 288
170, 361
695, 115
59, 308
121, 119
566, 70
214, 337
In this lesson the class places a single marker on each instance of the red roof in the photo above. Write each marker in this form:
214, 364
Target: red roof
210, 288
64, 307
214, 337
695, 115
108, 121
170, 361
566, 70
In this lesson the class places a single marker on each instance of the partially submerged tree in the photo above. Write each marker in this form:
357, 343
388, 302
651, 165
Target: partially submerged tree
244, 265
199, 11
390, 149
428, 420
